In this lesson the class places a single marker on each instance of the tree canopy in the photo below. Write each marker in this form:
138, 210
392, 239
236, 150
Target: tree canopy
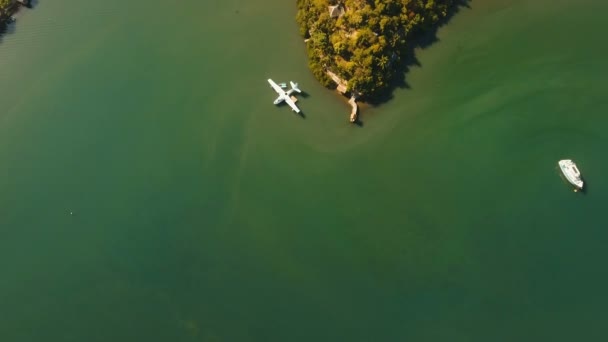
5, 5
365, 38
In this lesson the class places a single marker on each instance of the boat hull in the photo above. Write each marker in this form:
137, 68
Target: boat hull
571, 172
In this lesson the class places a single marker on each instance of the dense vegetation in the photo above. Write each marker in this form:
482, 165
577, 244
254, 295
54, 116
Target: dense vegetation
7, 8
366, 40
5, 5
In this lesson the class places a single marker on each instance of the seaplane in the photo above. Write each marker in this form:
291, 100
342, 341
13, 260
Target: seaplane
285, 95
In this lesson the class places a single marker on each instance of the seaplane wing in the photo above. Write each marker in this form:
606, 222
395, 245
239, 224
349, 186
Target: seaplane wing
276, 87
291, 104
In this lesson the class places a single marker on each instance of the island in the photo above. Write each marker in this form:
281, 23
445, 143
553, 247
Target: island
357, 45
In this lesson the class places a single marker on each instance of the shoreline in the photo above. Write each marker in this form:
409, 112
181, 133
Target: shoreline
6, 14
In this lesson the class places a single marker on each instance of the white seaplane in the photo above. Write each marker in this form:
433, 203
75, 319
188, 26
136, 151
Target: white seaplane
285, 95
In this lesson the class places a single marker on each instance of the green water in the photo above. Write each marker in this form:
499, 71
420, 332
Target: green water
201, 212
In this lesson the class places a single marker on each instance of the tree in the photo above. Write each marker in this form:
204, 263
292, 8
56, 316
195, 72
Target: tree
358, 44
4, 6
383, 61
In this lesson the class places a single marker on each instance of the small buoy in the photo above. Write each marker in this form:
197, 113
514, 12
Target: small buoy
71, 213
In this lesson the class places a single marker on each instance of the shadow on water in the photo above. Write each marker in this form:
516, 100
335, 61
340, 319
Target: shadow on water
304, 94
409, 59
583, 191
7, 28
585, 188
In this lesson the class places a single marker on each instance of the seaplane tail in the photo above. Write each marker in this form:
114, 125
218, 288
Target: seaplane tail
294, 87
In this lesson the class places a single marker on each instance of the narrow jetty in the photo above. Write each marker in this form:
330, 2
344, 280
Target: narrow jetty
353, 112
342, 86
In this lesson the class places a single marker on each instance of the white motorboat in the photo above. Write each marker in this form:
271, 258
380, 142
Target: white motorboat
571, 172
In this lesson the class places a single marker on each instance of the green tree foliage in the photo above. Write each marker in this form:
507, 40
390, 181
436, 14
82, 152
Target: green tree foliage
4, 6
7, 8
361, 45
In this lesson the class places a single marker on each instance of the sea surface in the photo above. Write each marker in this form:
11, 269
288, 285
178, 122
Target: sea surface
151, 191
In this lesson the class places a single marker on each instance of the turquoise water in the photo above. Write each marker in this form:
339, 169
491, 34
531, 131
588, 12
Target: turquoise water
201, 212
